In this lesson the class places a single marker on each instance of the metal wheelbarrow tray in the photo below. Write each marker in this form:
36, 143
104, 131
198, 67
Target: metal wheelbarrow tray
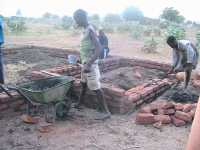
51, 92
44, 91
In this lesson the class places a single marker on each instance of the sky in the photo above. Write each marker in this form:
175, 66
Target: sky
151, 8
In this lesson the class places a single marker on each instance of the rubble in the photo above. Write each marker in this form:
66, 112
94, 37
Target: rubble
166, 112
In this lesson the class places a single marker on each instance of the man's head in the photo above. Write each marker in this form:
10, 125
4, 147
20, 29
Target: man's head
80, 17
101, 32
172, 42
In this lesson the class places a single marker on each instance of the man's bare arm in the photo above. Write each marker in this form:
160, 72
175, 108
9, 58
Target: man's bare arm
95, 40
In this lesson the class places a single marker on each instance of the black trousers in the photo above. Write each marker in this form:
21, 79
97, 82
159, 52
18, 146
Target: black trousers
1, 67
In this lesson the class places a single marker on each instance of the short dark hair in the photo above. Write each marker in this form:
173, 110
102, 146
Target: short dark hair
80, 13
171, 39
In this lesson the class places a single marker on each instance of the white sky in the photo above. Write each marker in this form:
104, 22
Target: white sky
151, 8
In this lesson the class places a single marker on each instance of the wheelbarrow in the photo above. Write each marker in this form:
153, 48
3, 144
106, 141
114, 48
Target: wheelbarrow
51, 92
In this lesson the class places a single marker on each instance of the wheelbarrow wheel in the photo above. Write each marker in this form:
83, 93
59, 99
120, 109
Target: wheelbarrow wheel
50, 115
62, 109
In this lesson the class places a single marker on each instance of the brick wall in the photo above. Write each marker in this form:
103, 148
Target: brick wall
119, 100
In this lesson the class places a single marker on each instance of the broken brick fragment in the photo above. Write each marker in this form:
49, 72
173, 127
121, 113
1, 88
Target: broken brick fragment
179, 106
188, 107
168, 105
146, 109
177, 122
165, 119
183, 116
145, 118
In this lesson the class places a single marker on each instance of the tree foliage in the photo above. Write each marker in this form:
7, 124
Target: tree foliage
112, 18
132, 14
67, 22
172, 15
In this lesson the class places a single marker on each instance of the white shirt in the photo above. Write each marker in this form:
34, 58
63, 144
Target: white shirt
184, 50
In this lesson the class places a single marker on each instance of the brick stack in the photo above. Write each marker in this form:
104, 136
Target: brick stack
150, 64
6, 102
121, 101
166, 112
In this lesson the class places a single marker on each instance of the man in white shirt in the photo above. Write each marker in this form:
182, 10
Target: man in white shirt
185, 57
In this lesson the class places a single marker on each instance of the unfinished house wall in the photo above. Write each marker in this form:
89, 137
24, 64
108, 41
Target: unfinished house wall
119, 100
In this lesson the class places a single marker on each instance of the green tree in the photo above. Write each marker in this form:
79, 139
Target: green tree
132, 14
94, 17
67, 22
172, 15
177, 31
112, 18
16, 24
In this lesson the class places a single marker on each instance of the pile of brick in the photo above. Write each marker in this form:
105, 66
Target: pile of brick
14, 103
165, 112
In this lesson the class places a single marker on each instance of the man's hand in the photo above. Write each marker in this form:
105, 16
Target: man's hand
171, 71
86, 68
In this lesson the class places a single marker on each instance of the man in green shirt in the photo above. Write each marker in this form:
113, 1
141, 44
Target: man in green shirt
90, 49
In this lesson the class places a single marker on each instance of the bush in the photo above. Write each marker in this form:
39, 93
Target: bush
198, 39
177, 31
124, 27
150, 46
107, 27
136, 31
16, 24
147, 31
67, 22
163, 24
156, 31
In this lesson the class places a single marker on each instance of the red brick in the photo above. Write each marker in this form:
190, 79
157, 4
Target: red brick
179, 106
146, 109
146, 91
169, 112
166, 111
161, 111
145, 118
4, 98
177, 122
192, 113
196, 83
17, 103
157, 105
134, 98
188, 107
139, 102
117, 91
3, 107
37, 74
168, 105
183, 116
165, 119
136, 89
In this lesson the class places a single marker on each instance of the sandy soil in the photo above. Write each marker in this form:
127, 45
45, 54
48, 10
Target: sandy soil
82, 132
18, 65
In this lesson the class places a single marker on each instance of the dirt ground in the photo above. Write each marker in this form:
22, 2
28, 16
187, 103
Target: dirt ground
120, 44
129, 77
82, 132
